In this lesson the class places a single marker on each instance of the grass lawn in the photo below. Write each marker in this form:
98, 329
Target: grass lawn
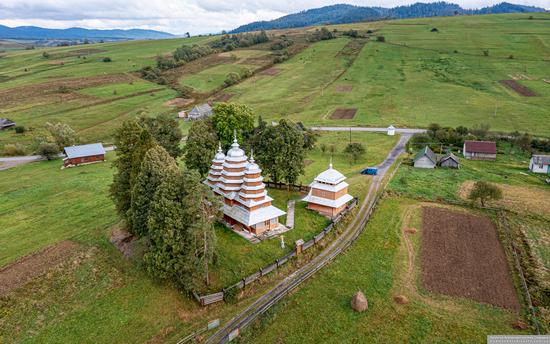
374, 265
211, 78
120, 90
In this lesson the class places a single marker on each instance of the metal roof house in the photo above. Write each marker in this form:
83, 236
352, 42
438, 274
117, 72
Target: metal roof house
540, 163
425, 158
6, 123
449, 160
200, 112
328, 193
83, 154
480, 150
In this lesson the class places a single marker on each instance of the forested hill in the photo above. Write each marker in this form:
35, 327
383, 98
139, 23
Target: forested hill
342, 14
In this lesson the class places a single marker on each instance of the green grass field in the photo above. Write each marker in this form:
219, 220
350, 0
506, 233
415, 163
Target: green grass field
375, 266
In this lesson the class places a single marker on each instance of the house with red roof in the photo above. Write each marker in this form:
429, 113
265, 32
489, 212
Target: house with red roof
480, 150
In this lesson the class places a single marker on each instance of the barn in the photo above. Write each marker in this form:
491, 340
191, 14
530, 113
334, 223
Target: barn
480, 150
449, 160
540, 163
425, 158
83, 154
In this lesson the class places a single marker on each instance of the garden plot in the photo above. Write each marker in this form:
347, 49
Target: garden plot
518, 88
343, 114
462, 256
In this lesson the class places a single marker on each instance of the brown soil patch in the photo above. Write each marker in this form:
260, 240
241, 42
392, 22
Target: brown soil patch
124, 241
519, 198
223, 97
271, 71
179, 102
520, 325
344, 88
518, 88
308, 162
461, 255
24, 270
411, 230
343, 114
401, 299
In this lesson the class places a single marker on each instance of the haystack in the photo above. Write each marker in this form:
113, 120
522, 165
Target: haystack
359, 302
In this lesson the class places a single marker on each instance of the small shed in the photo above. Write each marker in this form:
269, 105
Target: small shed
182, 114
540, 163
480, 150
449, 160
200, 112
425, 158
391, 130
83, 154
6, 123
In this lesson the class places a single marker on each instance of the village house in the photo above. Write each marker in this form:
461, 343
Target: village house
246, 205
425, 158
449, 160
480, 150
540, 163
83, 154
200, 112
328, 193
6, 123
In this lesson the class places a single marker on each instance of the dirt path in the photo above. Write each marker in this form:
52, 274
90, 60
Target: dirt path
19, 273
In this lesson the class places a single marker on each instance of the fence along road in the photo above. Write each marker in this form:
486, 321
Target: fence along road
351, 232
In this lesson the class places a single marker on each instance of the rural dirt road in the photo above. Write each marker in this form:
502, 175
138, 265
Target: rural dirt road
348, 236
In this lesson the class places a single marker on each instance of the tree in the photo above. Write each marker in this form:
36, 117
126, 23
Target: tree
166, 132
63, 135
323, 148
480, 130
156, 164
230, 117
484, 192
49, 150
201, 146
433, 128
355, 150
181, 230
231, 79
281, 152
127, 138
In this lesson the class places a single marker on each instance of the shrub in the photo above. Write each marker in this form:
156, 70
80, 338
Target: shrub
231, 79
63, 89
107, 59
485, 52
20, 129
14, 149
49, 150
46, 55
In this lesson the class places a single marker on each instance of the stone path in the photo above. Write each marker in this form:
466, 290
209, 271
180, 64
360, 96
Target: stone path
290, 214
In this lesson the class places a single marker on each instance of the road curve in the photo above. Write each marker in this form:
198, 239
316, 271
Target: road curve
373, 130
351, 232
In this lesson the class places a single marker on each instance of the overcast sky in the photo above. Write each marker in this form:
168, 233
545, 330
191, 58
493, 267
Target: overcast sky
177, 16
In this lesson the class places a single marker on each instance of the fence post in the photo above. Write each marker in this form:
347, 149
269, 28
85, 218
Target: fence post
299, 246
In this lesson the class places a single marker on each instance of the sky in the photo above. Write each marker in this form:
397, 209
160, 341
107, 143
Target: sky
178, 16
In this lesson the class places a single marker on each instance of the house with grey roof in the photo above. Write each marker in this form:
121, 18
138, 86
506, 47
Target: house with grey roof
200, 112
449, 160
425, 158
83, 154
6, 123
540, 163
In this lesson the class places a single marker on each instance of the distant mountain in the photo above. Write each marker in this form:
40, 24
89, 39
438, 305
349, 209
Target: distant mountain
343, 14
38, 33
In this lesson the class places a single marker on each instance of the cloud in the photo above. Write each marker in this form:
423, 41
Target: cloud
175, 16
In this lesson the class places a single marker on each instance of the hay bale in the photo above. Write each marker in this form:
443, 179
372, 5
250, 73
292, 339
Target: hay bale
359, 302
411, 230
401, 299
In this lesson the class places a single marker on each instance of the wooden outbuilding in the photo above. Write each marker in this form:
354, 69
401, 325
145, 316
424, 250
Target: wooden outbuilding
449, 160
83, 154
425, 158
480, 150
200, 112
6, 123
540, 163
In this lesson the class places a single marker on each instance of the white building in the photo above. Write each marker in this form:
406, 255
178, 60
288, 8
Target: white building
391, 130
540, 163
246, 203
328, 193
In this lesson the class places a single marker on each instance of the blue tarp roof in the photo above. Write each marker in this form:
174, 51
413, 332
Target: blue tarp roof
84, 150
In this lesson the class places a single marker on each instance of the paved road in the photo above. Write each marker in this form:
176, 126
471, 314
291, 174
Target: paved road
12, 161
374, 130
351, 232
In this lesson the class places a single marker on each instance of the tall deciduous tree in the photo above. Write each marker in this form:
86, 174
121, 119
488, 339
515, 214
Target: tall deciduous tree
166, 131
127, 138
230, 117
355, 150
201, 146
156, 165
281, 153
62, 134
484, 192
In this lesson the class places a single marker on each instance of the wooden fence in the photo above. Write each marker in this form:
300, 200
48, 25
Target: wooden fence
283, 186
208, 299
